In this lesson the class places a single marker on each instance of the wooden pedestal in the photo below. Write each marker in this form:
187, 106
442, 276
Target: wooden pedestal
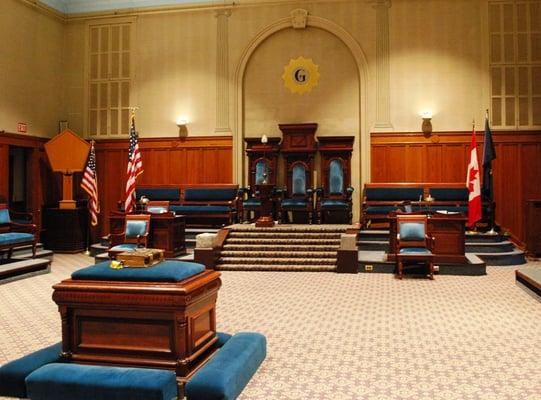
65, 229
140, 324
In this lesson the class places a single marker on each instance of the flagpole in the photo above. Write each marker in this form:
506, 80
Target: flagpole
89, 220
492, 222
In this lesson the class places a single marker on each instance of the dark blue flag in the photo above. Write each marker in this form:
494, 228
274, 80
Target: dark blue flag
489, 154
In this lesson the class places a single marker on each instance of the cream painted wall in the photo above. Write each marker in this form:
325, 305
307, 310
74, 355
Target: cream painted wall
31, 69
333, 104
438, 63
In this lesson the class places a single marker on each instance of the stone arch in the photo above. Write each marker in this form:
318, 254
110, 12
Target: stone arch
361, 146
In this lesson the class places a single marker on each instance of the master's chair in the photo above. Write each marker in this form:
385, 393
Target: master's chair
414, 245
298, 194
333, 204
14, 234
136, 229
251, 203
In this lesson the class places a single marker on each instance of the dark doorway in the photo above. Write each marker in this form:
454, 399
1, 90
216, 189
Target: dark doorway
18, 159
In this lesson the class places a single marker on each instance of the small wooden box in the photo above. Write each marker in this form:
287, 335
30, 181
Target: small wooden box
141, 258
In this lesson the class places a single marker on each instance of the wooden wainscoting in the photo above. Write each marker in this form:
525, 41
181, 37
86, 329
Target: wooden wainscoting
444, 156
167, 161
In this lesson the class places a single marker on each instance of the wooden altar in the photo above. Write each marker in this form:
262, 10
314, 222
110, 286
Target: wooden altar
448, 231
169, 325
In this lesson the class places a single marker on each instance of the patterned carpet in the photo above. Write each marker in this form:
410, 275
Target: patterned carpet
330, 336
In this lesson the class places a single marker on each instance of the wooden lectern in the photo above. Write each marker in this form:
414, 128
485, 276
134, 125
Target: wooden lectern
67, 153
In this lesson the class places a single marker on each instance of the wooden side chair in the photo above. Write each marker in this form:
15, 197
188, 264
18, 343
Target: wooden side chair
414, 245
136, 230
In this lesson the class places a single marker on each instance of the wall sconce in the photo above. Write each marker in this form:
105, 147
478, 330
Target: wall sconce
182, 127
427, 124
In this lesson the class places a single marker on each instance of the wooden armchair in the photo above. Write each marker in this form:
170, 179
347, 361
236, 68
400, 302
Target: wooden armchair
136, 230
298, 194
333, 200
14, 234
413, 242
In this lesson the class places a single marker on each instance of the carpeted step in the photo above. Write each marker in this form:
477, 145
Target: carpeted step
283, 247
280, 254
270, 240
275, 267
290, 228
286, 235
271, 260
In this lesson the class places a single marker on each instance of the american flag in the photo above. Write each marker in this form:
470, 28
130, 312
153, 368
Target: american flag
90, 185
135, 167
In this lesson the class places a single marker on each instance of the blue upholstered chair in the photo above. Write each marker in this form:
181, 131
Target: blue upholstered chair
135, 235
333, 202
297, 197
14, 234
414, 245
250, 202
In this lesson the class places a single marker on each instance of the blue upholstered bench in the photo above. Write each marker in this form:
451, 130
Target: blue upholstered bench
90, 382
226, 374
13, 374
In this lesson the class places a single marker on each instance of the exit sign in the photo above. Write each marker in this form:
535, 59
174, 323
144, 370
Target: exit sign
21, 127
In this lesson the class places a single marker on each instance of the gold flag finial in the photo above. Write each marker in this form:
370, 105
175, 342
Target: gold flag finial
133, 110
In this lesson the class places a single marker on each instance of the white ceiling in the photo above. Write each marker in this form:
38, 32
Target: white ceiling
82, 6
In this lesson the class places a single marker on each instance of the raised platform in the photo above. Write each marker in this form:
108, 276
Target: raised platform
531, 279
22, 265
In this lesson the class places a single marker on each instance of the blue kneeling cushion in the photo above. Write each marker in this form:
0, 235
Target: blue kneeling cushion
230, 369
13, 374
91, 382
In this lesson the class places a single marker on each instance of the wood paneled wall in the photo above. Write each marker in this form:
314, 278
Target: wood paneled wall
444, 156
167, 161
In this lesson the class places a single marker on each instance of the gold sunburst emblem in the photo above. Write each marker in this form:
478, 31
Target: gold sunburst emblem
301, 75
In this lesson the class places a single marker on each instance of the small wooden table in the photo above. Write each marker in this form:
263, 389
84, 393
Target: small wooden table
448, 231
130, 320
265, 195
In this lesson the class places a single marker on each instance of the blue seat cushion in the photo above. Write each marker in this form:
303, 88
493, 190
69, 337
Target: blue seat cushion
92, 382
171, 194
449, 194
124, 247
213, 194
380, 209
414, 250
230, 369
165, 271
294, 203
136, 228
251, 202
13, 374
382, 194
334, 203
203, 209
412, 231
15, 237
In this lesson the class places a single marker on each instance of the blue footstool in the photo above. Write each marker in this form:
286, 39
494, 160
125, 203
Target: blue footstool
13, 374
92, 382
226, 374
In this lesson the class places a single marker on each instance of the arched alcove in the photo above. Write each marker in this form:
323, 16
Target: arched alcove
261, 48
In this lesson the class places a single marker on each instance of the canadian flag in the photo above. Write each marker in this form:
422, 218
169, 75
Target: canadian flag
473, 182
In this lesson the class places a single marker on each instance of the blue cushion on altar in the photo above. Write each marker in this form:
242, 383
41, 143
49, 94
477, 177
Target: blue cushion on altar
334, 203
171, 194
191, 194
15, 237
414, 250
200, 209
124, 247
4, 216
165, 271
13, 374
230, 369
294, 203
92, 382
